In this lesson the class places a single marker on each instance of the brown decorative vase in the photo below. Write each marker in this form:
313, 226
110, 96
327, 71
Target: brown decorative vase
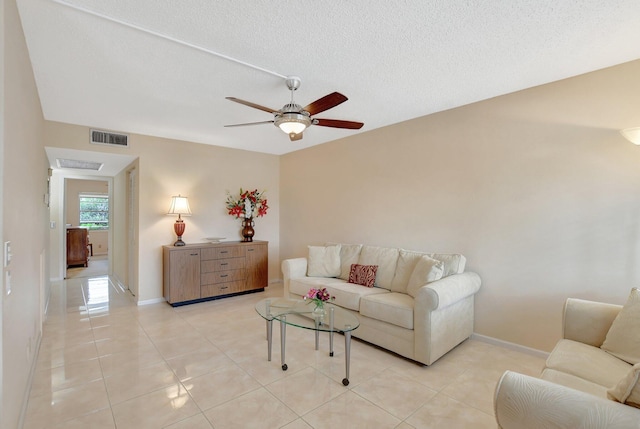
247, 229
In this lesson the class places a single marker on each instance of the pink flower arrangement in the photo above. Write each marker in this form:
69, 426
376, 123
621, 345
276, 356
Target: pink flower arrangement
318, 296
248, 204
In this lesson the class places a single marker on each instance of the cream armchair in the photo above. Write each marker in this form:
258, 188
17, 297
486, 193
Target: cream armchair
572, 390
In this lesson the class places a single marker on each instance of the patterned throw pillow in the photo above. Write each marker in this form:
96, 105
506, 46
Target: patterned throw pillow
364, 275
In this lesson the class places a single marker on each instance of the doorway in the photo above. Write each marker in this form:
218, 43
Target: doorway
87, 219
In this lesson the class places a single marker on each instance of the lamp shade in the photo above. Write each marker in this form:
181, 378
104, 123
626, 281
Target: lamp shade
632, 134
179, 206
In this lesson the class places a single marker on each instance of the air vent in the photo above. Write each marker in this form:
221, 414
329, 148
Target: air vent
111, 139
78, 164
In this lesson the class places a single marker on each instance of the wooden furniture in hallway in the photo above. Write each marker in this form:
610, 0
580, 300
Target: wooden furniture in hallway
77, 247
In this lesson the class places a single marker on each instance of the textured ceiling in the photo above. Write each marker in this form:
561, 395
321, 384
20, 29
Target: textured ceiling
148, 66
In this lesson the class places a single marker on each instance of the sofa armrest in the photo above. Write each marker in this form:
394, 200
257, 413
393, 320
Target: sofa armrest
449, 290
291, 269
587, 321
524, 402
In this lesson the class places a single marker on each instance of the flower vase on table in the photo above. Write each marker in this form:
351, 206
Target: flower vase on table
247, 205
319, 311
247, 229
318, 297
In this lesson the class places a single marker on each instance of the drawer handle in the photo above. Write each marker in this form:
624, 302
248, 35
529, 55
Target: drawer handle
224, 287
226, 263
194, 254
224, 275
224, 251
250, 250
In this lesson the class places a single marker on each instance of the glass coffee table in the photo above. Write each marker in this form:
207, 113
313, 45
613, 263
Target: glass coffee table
299, 313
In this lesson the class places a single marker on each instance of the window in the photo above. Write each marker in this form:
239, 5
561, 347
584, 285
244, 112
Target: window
94, 211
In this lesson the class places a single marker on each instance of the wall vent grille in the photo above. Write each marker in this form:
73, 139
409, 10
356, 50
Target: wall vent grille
108, 138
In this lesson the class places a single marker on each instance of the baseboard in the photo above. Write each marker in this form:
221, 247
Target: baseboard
151, 301
511, 346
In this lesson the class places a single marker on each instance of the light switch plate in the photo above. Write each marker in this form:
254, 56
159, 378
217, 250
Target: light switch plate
7, 253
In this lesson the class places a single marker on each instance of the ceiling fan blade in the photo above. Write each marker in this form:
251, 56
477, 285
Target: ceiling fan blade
250, 104
249, 123
336, 123
325, 103
294, 137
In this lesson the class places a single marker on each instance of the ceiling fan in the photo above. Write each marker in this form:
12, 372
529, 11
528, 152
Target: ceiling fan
293, 119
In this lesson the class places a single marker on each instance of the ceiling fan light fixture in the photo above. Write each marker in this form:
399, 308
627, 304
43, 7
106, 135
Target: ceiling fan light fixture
292, 123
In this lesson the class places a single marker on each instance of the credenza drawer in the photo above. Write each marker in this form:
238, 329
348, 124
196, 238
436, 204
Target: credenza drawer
214, 265
222, 277
223, 252
221, 289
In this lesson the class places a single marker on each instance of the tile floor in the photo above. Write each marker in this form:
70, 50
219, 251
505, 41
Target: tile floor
106, 363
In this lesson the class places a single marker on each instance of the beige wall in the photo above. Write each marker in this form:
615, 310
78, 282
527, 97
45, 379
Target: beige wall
537, 188
25, 217
203, 173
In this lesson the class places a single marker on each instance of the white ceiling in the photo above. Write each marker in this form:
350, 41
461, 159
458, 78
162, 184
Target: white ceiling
151, 66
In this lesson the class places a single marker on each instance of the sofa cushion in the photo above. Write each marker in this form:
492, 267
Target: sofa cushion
627, 390
347, 294
407, 261
427, 270
364, 275
588, 362
324, 261
454, 263
349, 254
623, 340
385, 258
394, 308
574, 382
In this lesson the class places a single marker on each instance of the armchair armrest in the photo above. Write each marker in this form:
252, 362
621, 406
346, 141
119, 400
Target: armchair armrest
447, 291
587, 321
291, 269
525, 402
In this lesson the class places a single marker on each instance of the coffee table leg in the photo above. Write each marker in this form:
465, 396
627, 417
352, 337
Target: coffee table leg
331, 331
347, 353
269, 338
317, 332
283, 333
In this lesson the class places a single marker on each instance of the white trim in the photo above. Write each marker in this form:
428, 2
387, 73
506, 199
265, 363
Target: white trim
151, 301
511, 346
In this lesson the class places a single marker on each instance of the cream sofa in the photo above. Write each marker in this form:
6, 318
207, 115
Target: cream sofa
422, 305
583, 378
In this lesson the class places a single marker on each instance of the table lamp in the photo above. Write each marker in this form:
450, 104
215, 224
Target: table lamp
179, 206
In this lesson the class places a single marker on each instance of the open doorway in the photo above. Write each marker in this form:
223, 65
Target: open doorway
87, 219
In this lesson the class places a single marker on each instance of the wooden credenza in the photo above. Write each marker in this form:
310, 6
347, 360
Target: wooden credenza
198, 272
77, 247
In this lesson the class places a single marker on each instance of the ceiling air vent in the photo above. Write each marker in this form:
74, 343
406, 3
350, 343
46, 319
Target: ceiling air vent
78, 164
111, 139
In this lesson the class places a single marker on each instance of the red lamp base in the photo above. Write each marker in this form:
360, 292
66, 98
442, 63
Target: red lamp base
178, 227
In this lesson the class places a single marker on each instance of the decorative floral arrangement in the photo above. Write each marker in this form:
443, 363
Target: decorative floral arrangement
248, 204
318, 296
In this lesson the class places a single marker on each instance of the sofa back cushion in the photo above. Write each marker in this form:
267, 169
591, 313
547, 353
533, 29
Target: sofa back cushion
622, 339
454, 263
323, 261
385, 258
407, 260
427, 270
349, 254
